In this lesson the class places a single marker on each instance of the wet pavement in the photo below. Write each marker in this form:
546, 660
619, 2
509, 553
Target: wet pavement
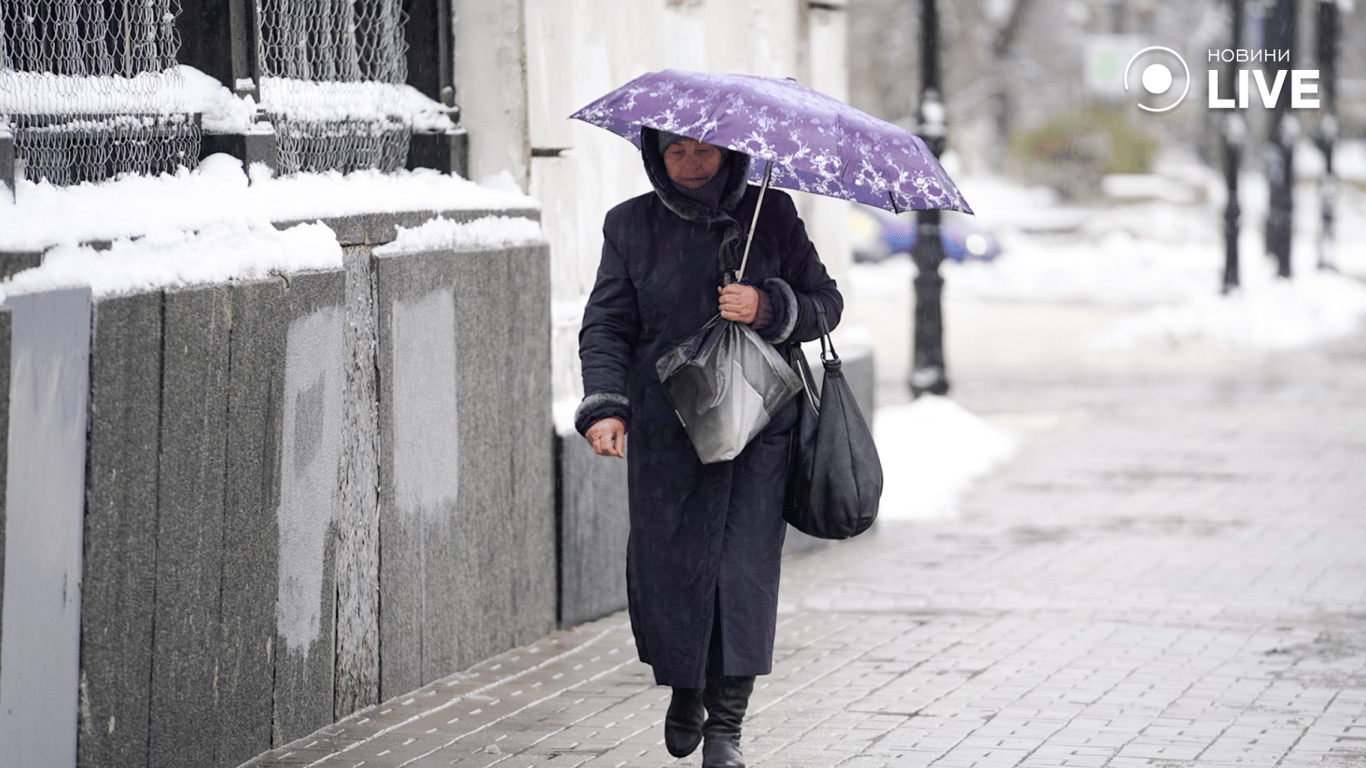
1170, 572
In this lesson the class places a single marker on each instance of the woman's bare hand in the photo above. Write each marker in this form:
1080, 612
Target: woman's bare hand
608, 437
739, 302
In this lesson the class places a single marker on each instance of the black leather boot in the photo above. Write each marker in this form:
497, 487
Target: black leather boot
683, 722
726, 699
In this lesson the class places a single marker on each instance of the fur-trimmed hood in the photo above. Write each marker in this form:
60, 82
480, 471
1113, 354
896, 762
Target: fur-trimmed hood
736, 170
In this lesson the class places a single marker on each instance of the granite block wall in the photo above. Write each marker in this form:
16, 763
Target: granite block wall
594, 527
189, 523
195, 578
120, 529
464, 369
310, 440
246, 619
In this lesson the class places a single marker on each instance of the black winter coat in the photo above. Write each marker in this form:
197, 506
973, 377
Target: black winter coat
702, 536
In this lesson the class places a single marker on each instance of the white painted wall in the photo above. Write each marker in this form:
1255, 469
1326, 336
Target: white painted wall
577, 50
491, 86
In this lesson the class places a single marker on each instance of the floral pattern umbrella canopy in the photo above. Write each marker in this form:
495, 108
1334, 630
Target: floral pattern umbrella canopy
815, 143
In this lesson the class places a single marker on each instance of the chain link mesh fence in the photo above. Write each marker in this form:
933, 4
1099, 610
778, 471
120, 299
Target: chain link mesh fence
332, 83
91, 89
88, 88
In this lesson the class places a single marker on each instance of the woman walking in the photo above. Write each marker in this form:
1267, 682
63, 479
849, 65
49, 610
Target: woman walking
706, 540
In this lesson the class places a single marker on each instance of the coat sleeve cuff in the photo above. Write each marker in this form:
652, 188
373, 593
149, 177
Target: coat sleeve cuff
604, 405
783, 304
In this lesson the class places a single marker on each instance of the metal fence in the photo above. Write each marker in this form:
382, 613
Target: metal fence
332, 79
90, 89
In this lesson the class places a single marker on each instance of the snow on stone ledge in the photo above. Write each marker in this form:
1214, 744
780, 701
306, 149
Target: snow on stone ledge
174, 258
44, 215
441, 234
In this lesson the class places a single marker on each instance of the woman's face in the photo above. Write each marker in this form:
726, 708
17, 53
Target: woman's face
691, 163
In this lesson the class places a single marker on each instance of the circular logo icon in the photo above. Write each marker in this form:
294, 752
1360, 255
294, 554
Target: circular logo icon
1157, 78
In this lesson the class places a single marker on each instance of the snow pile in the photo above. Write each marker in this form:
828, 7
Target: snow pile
44, 215
443, 234
369, 101
1118, 270
174, 258
185, 89
1132, 255
1161, 259
1282, 314
149, 93
999, 203
221, 111
931, 450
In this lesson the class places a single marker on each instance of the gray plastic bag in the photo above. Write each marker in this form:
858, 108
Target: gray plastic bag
725, 384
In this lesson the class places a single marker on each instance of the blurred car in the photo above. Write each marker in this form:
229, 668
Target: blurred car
877, 235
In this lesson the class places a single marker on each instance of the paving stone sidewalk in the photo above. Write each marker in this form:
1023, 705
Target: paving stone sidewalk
1171, 572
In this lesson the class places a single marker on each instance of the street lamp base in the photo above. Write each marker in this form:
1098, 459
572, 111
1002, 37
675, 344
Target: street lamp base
931, 379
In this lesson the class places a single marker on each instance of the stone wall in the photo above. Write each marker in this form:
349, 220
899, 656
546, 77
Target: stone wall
213, 490
466, 460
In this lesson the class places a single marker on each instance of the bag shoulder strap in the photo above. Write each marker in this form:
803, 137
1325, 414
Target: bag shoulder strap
826, 342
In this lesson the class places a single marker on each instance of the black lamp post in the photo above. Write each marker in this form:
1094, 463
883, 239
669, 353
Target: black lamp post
927, 365
1328, 128
1235, 138
1285, 129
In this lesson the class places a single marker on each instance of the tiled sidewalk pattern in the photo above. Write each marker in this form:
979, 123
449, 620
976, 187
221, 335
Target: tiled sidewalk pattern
1173, 575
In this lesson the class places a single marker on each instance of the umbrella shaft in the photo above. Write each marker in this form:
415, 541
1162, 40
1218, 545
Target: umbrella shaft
749, 238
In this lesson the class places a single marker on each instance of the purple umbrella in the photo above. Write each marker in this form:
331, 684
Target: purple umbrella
811, 142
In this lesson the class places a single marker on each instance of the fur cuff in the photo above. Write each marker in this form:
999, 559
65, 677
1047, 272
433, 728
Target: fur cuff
788, 313
604, 405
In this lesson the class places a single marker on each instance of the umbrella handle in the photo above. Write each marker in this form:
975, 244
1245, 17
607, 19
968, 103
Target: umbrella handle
768, 171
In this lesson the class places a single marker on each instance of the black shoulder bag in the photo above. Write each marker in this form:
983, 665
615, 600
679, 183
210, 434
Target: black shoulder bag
834, 476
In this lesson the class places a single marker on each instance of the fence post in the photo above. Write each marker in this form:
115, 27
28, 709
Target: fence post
9, 179
219, 38
431, 70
